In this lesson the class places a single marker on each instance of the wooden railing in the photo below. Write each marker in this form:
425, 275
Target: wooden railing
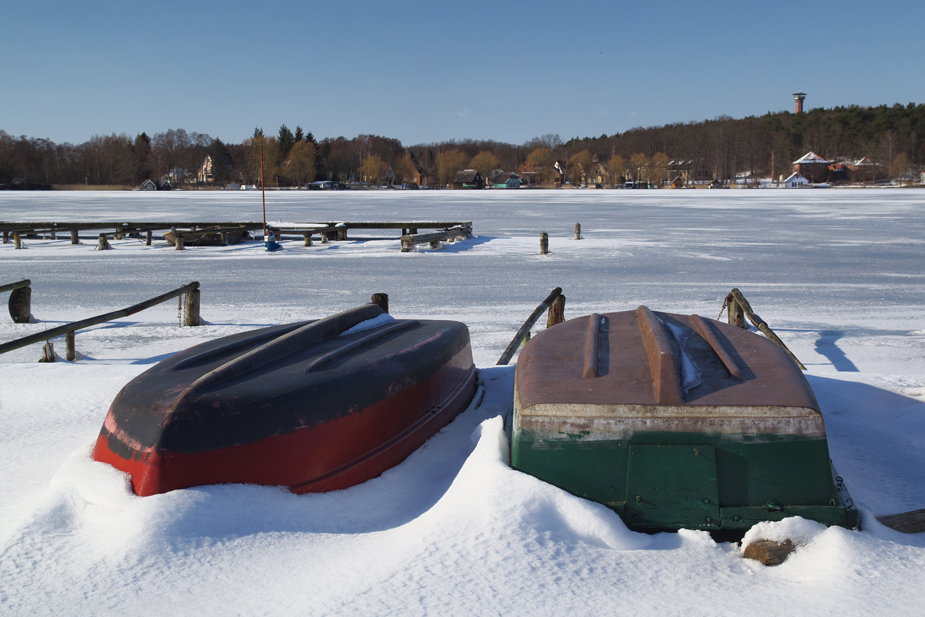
191, 318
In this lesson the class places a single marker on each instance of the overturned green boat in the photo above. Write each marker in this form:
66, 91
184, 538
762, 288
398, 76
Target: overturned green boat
674, 422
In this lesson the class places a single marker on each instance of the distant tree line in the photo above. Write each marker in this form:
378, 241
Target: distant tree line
721, 148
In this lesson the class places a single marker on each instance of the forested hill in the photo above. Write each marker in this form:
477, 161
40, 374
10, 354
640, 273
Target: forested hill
726, 145
893, 136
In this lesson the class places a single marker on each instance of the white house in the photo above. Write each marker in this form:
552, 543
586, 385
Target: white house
796, 181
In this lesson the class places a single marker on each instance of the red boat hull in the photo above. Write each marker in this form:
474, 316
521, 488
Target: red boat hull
342, 449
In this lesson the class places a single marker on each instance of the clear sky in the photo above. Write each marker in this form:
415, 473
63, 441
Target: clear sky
430, 71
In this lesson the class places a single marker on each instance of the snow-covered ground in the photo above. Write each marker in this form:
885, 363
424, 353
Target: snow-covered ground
839, 275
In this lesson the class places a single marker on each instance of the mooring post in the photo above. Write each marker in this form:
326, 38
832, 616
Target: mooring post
20, 305
308, 239
54, 234
148, 235
578, 231
179, 242
341, 232
70, 346
556, 313
736, 315
48, 352
382, 300
117, 234
544, 243
17, 241
6, 236
103, 244
191, 316
75, 237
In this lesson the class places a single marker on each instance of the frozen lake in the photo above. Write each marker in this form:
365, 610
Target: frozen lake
838, 274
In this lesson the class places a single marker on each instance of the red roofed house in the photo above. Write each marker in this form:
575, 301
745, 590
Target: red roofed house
812, 166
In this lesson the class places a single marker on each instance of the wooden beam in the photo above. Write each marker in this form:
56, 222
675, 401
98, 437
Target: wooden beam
907, 522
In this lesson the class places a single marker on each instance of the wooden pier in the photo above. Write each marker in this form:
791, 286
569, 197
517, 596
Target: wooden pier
180, 233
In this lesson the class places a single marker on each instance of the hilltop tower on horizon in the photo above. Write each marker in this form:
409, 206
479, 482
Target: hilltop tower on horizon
798, 97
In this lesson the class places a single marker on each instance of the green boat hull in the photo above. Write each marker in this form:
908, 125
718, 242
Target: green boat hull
674, 422
663, 481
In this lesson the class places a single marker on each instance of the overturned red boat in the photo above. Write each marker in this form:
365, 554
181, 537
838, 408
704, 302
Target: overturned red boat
314, 406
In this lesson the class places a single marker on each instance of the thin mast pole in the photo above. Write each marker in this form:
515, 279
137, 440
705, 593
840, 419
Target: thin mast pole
263, 194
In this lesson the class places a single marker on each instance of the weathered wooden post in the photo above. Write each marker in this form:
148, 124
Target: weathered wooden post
191, 314
148, 235
578, 231
308, 239
6, 236
556, 313
70, 346
20, 304
75, 237
224, 235
544, 243
48, 352
736, 316
412, 230
17, 241
117, 234
178, 242
54, 234
341, 232
382, 300
324, 237
103, 244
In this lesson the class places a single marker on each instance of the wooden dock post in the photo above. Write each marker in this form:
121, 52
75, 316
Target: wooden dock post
75, 237
20, 303
48, 352
578, 231
17, 241
117, 234
736, 316
308, 238
6, 236
191, 314
54, 234
70, 346
556, 313
544, 243
148, 235
382, 300
103, 244
179, 242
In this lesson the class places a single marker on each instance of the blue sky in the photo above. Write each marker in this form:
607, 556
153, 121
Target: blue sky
429, 71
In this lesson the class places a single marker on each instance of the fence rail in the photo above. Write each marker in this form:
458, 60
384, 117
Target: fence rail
191, 318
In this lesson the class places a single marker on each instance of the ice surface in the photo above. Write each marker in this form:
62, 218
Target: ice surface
838, 274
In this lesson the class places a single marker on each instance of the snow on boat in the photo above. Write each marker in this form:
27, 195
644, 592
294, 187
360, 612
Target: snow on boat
314, 406
674, 422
